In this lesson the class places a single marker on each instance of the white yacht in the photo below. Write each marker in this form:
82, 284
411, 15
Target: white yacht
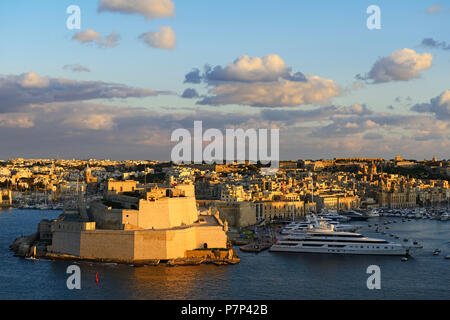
445, 216
354, 215
374, 213
333, 215
312, 223
330, 241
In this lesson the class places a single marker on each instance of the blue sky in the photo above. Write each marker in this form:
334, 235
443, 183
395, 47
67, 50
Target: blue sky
324, 38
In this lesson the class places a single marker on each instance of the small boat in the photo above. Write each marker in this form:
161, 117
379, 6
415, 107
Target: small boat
404, 259
31, 258
353, 215
152, 262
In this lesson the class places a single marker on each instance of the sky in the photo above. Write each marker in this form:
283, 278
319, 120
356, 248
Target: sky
135, 71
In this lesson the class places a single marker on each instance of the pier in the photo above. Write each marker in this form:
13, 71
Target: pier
255, 247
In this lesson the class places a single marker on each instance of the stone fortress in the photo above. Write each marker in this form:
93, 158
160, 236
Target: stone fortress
130, 224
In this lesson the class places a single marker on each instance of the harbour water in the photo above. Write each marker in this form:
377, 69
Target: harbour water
259, 276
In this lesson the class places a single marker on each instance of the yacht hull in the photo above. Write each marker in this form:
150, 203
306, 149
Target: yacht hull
389, 252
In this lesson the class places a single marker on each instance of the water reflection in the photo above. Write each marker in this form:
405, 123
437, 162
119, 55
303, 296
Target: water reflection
263, 276
127, 282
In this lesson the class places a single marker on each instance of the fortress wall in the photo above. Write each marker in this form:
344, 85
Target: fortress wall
107, 244
137, 245
66, 242
153, 214
214, 236
240, 214
150, 245
106, 219
182, 210
167, 213
178, 241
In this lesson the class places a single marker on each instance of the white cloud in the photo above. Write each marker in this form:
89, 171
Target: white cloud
91, 121
273, 94
76, 68
33, 80
440, 106
163, 39
87, 36
16, 120
401, 65
150, 9
18, 91
262, 82
435, 9
91, 36
84, 130
245, 68
111, 40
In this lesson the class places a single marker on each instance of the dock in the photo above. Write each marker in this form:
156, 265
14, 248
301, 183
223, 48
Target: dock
255, 247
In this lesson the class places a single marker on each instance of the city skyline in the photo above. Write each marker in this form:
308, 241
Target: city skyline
117, 87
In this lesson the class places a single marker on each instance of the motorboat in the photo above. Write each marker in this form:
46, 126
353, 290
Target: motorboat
333, 242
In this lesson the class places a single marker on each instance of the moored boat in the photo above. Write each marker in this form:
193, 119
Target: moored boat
332, 242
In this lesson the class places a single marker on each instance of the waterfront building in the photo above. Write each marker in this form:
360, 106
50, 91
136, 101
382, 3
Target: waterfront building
281, 209
5, 198
398, 199
338, 202
162, 224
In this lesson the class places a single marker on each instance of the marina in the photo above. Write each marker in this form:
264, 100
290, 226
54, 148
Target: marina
174, 150
292, 275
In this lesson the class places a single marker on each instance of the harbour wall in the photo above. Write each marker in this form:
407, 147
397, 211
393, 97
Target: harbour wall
136, 245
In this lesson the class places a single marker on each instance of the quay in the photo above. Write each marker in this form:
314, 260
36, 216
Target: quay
255, 247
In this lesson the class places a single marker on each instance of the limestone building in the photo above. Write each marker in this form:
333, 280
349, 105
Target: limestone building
5, 198
161, 224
